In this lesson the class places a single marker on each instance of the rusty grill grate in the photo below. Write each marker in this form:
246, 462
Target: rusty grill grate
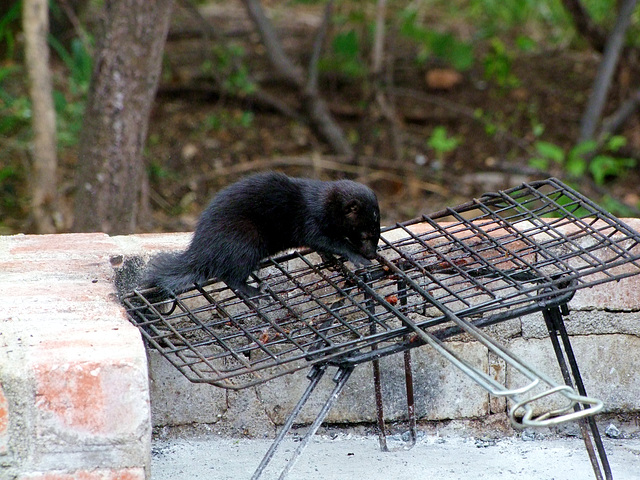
491, 259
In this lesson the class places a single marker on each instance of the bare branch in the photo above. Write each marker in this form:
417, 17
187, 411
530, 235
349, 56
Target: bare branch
591, 31
385, 103
606, 69
312, 81
275, 52
322, 122
81, 32
378, 39
614, 122
317, 112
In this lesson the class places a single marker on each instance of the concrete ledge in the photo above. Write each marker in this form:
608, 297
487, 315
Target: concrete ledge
76, 392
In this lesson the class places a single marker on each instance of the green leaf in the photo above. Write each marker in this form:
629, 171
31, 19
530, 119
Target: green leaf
583, 148
616, 142
538, 129
346, 44
550, 151
539, 163
576, 163
601, 167
525, 43
575, 166
441, 142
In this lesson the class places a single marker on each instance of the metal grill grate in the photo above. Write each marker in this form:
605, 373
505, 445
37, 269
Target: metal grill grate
491, 259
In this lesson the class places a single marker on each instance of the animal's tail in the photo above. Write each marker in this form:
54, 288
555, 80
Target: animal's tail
170, 272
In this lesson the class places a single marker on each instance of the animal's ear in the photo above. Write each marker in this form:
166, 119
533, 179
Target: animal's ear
352, 208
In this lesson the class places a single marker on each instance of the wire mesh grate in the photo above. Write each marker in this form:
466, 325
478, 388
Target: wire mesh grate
491, 259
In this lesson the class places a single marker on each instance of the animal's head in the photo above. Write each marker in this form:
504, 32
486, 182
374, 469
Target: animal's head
358, 217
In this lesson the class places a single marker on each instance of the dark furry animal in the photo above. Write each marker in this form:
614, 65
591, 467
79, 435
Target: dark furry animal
267, 213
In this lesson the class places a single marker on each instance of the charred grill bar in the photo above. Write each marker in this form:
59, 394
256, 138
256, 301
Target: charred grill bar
504, 255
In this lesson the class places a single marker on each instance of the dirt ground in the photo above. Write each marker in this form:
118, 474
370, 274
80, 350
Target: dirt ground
200, 140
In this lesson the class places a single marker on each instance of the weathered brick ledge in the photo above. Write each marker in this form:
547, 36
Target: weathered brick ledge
75, 387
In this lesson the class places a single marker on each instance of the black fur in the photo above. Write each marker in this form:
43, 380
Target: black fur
267, 213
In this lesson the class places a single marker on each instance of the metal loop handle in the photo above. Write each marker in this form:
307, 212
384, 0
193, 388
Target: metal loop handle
551, 417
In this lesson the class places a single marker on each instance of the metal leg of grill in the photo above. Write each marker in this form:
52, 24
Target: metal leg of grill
411, 411
377, 387
556, 328
377, 383
317, 372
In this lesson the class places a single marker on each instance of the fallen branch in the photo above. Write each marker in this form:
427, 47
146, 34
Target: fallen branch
334, 163
260, 99
615, 121
314, 107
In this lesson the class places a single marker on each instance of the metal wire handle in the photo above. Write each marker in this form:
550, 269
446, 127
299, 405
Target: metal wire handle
521, 414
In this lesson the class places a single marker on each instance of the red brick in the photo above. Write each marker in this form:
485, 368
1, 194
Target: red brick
95, 398
4, 422
75, 395
102, 474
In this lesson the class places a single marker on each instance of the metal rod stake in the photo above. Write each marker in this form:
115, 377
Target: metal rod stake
556, 328
341, 378
315, 375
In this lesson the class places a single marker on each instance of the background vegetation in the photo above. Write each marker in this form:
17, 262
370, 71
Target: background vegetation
458, 97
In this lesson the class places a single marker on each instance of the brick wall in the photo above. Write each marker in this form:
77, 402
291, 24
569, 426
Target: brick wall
77, 398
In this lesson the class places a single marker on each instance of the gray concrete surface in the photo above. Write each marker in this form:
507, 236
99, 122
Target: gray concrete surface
347, 456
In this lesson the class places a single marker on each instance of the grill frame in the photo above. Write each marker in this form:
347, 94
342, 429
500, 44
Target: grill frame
489, 260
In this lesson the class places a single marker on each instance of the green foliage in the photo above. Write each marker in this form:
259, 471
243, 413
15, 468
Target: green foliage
224, 120
442, 143
15, 110
78, 62
608, 165
548, 152
498, 65
443, 46
70, 98
498, 18
69, 92
156, 171
345, 56
616, 207
584, 157
8, 23
229, 65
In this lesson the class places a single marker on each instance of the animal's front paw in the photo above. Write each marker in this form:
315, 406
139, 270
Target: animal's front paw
250, 291
329, 259
358, 260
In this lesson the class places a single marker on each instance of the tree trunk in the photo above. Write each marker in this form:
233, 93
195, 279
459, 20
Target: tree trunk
125, 77
35, 23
